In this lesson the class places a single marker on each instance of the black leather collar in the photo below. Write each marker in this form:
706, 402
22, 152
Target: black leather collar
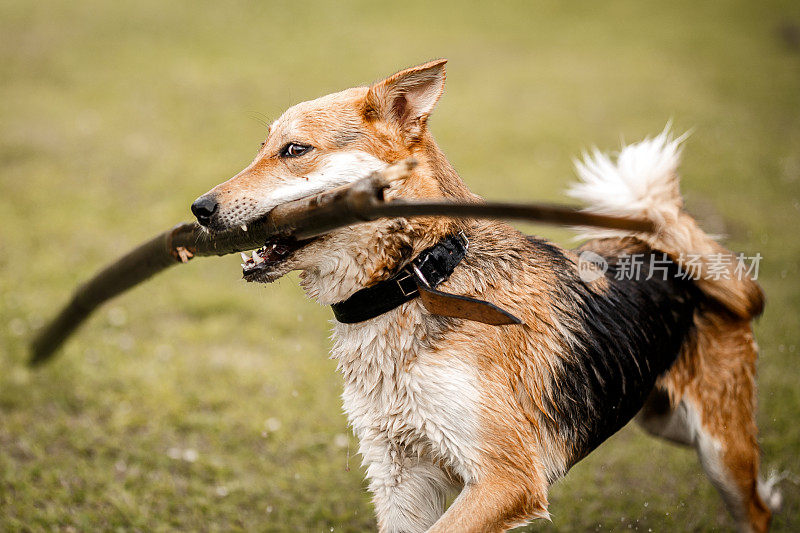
430, 268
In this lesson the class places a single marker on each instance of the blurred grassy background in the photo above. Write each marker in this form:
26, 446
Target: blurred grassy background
198, 402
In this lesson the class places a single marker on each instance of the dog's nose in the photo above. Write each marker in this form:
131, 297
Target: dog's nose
203, 208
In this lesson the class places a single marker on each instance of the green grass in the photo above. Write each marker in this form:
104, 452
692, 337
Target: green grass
198, 402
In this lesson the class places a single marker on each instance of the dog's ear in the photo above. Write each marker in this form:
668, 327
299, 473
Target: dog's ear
408, 97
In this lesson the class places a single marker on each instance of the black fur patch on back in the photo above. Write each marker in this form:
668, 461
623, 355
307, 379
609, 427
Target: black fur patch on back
624, 335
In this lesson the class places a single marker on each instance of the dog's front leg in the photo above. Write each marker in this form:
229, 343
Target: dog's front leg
409, 493
495, 503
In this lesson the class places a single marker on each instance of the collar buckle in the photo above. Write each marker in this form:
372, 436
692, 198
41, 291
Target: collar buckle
408, 289
420, 276
464, 239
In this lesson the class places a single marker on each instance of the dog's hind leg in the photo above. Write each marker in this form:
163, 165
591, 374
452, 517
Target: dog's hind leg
707, 400
662, 419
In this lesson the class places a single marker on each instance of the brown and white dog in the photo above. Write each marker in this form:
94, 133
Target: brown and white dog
500, 413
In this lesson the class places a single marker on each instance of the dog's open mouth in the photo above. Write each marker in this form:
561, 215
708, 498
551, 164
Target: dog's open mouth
265, 264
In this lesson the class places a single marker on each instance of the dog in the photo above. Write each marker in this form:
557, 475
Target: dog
497, 413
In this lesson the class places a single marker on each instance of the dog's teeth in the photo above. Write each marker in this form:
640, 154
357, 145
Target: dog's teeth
244, 256
244, 227
244, 266
257, 257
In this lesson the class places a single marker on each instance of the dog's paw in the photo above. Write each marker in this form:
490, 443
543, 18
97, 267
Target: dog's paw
769, 491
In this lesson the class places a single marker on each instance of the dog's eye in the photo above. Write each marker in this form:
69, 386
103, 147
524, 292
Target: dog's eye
295, 150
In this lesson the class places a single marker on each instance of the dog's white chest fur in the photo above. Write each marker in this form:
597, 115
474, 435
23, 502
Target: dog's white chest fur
405, 399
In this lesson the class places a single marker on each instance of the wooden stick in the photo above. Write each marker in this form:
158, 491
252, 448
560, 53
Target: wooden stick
305, 218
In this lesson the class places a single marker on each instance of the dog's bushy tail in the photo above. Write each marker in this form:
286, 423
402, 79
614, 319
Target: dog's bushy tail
643, 182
